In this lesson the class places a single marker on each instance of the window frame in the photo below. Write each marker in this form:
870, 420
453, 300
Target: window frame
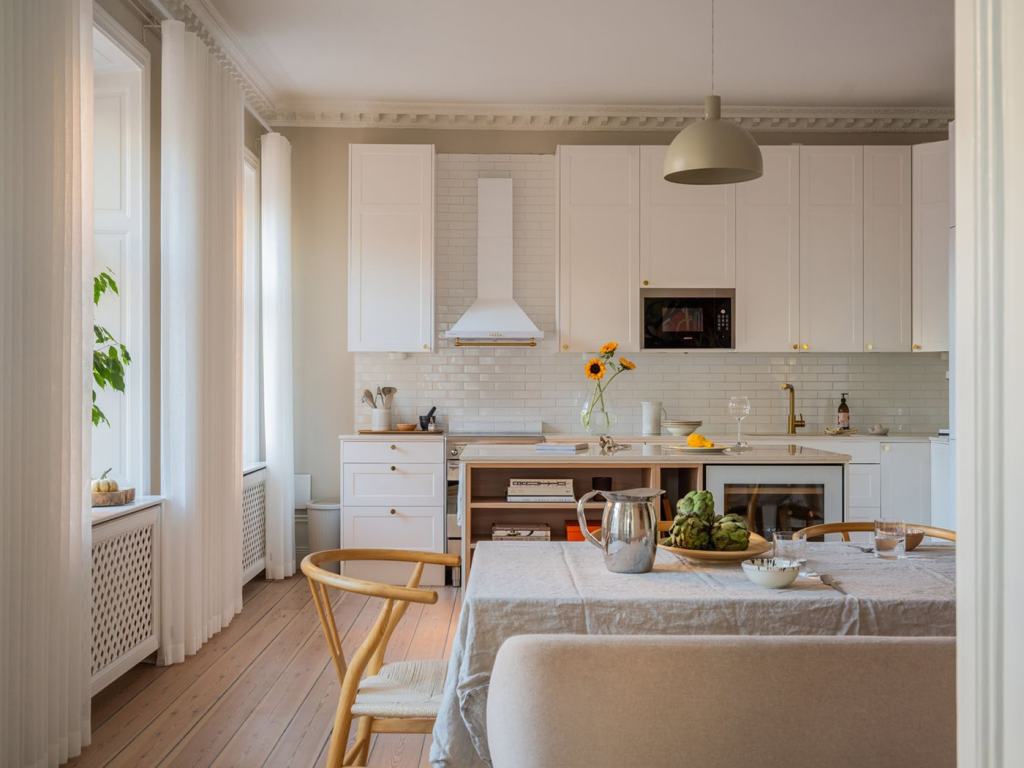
251, 162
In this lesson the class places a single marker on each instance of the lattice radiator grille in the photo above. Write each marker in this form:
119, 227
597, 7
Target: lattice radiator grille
254, 524
122, 594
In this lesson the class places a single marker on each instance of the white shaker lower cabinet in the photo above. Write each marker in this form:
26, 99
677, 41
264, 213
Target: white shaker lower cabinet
599, 247
391, 248
393, 495
887, 249
832, 249
931, 247
768, 255
906, 482
687, 231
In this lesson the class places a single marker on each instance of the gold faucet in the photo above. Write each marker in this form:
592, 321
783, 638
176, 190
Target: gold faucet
792, 422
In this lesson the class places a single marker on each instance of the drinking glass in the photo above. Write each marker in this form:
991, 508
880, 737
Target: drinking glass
890, 540
739, 409
786, 547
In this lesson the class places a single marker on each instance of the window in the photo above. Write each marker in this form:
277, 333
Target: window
252, 336
121, 246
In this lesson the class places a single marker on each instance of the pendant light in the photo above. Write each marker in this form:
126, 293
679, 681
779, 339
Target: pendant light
712, 151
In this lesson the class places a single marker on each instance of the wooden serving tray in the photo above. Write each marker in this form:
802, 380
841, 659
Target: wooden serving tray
113, 498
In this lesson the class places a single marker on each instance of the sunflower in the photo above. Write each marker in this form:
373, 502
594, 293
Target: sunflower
595, 369
609, 348
627, 364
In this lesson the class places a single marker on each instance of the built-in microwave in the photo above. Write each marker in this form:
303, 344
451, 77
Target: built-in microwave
688, 320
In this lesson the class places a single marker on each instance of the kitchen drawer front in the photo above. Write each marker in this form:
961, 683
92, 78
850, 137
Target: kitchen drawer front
388, 485
865, 485
859, 451
395, 527
378, 451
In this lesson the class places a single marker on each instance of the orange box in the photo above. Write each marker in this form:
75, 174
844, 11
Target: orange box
573, 532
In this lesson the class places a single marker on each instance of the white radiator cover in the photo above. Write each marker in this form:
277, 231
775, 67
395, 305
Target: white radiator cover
125, 594
254, 524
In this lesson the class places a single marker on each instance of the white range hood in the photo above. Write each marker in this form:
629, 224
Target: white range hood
494, 319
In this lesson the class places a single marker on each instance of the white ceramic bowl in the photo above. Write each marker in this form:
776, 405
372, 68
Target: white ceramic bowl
681, 428
771, 572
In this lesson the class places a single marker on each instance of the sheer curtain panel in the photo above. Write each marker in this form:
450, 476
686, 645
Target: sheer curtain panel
276, 217
45, 382
201, 347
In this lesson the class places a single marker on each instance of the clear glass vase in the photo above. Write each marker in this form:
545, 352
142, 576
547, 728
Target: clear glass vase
595, 415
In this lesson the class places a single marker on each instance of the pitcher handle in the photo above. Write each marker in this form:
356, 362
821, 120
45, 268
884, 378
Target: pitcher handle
582, 517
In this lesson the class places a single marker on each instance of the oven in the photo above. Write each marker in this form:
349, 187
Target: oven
778, 497
691, 320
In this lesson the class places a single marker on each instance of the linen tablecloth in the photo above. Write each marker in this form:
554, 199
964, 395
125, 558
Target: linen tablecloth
559, 587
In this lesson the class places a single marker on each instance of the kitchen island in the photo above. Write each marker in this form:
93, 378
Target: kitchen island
487, 469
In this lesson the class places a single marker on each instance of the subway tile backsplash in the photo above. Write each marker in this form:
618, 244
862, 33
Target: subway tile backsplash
907, 392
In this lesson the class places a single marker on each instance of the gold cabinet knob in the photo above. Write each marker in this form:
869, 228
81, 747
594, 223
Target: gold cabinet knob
393, 511
796, 346
426, 347
647, 282
806, 347
393, 468
394, 447
915, 346
870, 347
565, 347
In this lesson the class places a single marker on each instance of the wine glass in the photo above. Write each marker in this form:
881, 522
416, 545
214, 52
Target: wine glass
739, 409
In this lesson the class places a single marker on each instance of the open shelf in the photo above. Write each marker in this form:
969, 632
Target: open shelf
496, 502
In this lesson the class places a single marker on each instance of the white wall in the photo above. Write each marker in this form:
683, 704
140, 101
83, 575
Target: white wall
495, 386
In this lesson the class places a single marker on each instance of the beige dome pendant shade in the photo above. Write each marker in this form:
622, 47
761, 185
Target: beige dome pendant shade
712, 151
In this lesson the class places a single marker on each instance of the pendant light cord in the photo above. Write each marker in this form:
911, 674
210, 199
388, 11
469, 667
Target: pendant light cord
712, 46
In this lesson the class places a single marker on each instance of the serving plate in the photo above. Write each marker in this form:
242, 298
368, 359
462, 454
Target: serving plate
688, 449
756, 546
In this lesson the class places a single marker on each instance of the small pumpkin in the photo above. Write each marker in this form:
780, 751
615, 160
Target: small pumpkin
103, 484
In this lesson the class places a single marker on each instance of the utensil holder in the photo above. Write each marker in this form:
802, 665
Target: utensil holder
380, 419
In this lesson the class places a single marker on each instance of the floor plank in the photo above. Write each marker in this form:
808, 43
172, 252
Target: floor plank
262, 691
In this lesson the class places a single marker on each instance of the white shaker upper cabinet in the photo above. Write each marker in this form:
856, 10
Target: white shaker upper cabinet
687, 231
599, 243
931, 247
831, 248
768, 255
391, 248
887, 236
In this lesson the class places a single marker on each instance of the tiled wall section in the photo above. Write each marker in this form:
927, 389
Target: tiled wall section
505, 386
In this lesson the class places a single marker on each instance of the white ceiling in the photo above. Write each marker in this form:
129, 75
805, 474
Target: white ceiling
854, 53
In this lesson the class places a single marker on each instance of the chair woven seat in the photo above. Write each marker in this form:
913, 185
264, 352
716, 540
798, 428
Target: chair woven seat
402, 689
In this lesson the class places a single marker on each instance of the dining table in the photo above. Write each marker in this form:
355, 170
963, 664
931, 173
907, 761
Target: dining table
564, 587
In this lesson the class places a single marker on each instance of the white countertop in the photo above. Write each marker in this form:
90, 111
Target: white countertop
650, 454
763, 438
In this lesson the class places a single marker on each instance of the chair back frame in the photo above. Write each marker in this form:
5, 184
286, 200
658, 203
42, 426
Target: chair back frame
845, 529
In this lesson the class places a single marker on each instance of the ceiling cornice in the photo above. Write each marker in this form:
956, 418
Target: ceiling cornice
606, 118
203, 20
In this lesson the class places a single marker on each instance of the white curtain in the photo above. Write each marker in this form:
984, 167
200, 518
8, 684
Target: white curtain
276, 242
45, 381
201, 350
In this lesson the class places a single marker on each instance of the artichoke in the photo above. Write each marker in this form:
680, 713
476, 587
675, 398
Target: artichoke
699, 503
694, 533
730, 534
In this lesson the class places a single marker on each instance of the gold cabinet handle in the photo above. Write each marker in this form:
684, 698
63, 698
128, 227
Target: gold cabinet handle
393, 468
647, 282
393, 511
915, 346
806, 347
426, 347
394, 447
796, 346
870, 347
565, 347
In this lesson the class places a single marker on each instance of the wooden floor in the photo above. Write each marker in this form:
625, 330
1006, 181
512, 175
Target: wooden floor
260, 692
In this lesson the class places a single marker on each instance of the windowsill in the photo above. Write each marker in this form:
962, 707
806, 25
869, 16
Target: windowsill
106, 514
255, 466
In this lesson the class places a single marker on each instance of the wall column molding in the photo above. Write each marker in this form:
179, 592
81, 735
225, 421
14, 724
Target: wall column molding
989, 276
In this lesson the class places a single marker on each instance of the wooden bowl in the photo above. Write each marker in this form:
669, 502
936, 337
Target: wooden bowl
405, 427
914, 538
756, 546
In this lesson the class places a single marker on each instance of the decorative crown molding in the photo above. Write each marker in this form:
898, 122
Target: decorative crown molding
203, 20
606, 118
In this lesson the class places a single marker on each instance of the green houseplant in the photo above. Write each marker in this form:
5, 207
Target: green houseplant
109, 356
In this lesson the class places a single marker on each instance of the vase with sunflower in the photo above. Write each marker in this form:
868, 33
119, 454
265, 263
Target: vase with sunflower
602, 370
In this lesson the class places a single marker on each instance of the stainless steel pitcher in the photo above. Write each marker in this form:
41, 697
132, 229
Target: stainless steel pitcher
629, 528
